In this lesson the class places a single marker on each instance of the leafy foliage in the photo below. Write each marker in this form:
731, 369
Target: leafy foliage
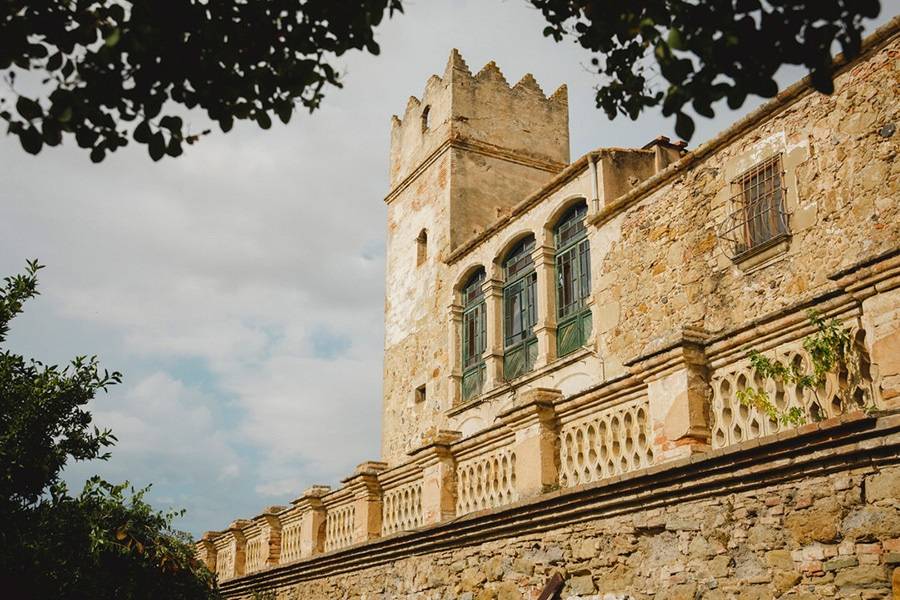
829, 348
704, 51
106, 542
114, 68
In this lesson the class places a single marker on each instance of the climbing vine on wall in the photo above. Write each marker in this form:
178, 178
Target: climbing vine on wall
830, 348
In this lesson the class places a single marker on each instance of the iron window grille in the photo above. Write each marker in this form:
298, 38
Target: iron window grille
474, 336
573, 281
758, 219
519, 311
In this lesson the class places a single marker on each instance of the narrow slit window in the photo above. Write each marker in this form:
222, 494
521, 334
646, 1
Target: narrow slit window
422, 247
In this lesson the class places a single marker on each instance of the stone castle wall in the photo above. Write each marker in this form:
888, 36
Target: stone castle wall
627, 467
807, 518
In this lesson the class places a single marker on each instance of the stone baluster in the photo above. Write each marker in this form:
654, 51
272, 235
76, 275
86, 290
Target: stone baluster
536, 446
435, 458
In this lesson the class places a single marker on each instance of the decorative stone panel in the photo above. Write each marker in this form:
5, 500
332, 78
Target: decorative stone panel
290, 536
734, 422
613, 441
339, 527
486, 481
402, 508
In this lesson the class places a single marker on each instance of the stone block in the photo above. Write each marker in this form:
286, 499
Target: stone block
861, 576
580, 586
842, 562
817, 524
871, 522
884, 485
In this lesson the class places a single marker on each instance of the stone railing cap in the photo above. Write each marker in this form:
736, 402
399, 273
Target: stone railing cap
370, 467
315, 491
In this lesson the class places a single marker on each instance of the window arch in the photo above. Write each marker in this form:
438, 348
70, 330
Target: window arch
573, 280
519, 310
422, 247
474, 335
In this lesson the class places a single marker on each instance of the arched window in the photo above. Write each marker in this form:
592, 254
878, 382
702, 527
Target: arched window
519, 310
422, 247
474, 336
573, 281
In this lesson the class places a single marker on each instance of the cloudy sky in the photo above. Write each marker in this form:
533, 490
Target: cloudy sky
239, 288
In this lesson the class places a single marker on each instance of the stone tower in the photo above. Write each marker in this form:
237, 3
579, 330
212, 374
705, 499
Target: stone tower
461, 157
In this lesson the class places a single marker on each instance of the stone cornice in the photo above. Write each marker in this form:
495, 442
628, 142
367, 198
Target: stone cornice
850, 442
476, 147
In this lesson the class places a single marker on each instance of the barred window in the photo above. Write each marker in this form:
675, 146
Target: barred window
519, 310
573, 281
474, 336
758, 219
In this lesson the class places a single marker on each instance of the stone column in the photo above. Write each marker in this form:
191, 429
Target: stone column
678, 392
435, 458
312, 524
493, 316
545, 266
367, 500
455, 310
533, 419
206, 550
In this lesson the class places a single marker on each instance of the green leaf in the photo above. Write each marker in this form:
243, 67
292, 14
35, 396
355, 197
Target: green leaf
31, 140
174, 147
171, 123
675, 40
142, 132
98, 153
55, 61
684, 126
263, 119
284, 111
157, 146
28, 108
112, 38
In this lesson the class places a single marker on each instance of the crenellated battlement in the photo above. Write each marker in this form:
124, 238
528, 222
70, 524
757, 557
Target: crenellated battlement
518, 120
